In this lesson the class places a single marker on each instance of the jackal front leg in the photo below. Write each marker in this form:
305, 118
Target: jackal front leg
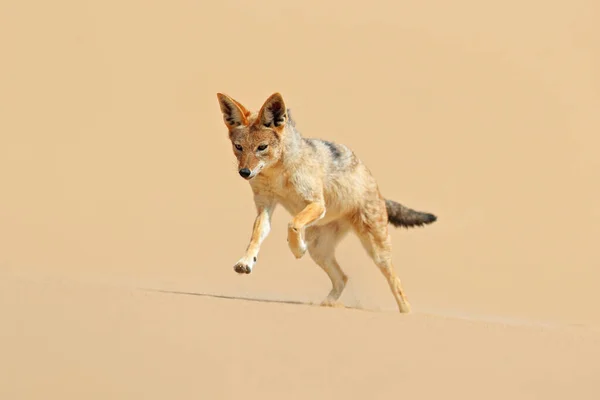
260, 230
311, 213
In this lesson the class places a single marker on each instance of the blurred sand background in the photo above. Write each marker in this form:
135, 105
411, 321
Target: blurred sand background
117, 182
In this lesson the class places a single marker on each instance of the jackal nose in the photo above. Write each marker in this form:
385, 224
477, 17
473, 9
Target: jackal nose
245, 172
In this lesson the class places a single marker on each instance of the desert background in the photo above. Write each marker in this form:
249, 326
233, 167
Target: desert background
122, 214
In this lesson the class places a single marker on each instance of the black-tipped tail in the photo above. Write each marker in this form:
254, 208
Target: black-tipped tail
402, 216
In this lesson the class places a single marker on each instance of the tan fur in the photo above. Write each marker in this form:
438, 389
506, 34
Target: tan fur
323, 185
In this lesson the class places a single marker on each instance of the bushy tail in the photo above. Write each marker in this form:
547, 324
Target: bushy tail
399, 215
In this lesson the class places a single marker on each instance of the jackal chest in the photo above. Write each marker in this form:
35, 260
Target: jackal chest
287, 195
294, 196
280, 188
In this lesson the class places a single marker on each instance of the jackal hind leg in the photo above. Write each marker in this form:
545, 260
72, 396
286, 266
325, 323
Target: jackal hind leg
321, 242
375, 238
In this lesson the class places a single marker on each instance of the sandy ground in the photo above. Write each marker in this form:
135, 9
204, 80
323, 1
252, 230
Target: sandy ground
122, 214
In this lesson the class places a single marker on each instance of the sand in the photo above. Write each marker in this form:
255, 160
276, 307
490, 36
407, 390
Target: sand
122, 214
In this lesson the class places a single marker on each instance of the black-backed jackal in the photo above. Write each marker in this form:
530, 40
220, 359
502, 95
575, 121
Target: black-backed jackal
323, 185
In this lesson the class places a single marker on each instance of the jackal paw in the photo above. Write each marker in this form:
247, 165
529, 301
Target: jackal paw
243, 266
329, 302
299, 249
296, 243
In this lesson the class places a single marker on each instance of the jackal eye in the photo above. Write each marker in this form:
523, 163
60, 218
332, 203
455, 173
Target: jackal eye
262, 147
237, 146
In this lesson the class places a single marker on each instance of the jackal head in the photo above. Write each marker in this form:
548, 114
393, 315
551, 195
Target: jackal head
255, 137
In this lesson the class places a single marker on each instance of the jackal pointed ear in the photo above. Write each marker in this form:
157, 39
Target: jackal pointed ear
234, 113
273, 114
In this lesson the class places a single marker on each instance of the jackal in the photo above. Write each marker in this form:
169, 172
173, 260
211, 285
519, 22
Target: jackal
323, 185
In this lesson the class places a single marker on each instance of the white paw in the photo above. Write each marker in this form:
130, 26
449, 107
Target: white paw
244, 265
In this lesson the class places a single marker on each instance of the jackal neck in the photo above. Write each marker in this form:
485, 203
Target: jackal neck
292, 143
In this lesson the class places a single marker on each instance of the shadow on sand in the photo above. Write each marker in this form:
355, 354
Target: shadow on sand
244, 298
431, 313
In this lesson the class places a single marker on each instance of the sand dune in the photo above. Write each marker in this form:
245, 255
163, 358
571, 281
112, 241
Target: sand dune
121, 212
99, 341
